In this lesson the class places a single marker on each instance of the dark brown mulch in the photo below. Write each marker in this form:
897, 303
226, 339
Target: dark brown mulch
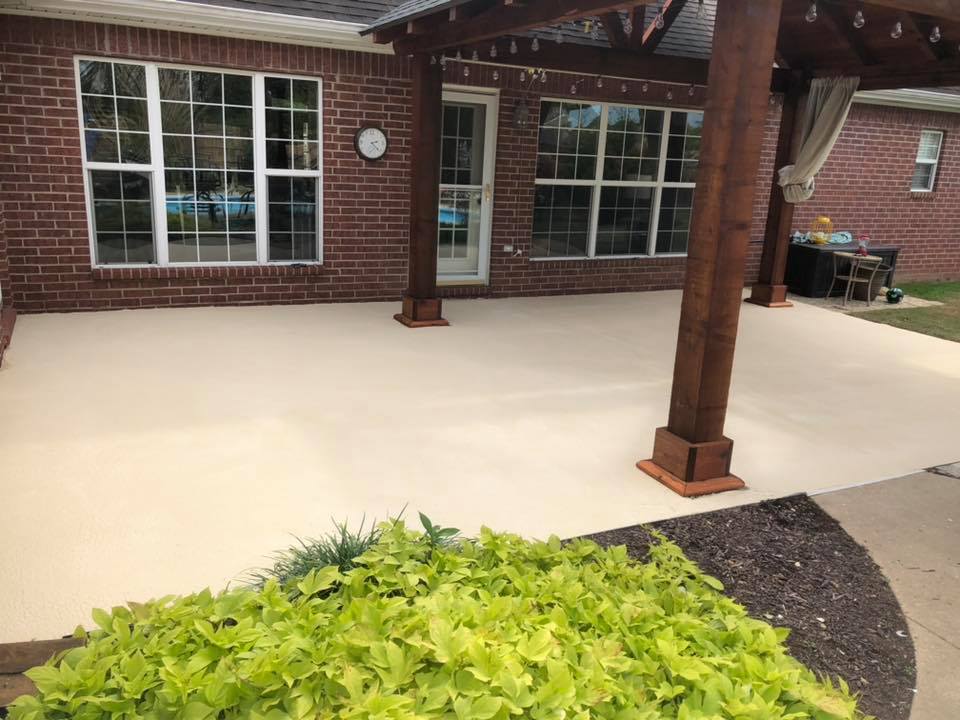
792, 564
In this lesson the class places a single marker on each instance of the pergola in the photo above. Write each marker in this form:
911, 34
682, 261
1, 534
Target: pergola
759, 46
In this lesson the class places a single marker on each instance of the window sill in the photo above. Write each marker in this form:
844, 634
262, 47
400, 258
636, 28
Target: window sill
601, 258
178, 272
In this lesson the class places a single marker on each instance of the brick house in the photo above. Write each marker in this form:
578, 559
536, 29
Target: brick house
159, 153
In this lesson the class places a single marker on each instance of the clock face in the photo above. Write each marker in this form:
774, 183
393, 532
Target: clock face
371, 143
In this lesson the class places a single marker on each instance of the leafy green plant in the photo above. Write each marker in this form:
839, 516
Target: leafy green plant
339, 548
492, 629
437, 535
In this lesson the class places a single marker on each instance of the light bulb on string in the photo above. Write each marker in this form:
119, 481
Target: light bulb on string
558, 36
935, 34
433, 59
811, 15
493, 50
659, 22
475, 56
692, 90
573, 89
523, 76
496, 74
669, 94
513, 46
599, 82
535, 44
443, 62
628, 25
595, 29
701, 10
543, 76
459, 56
466, 71
859, 20
897, 32
644, 87
623, 87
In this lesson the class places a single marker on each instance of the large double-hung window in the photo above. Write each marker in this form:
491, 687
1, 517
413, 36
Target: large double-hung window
614, 180
187, 166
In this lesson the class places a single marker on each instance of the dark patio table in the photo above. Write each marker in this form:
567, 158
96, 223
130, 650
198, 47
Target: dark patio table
810, 267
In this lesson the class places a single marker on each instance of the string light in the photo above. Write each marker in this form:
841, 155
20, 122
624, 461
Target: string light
543, 76
692, 90
443, 62
573, 89
493, 50
859, 20
513, 46
535, 44
466, 71
623, 87
523, 76
433, 59
558, 36
669, 94
459, 56
659, 22
595, 29
599, 82
475, 56
496, 74
644, 87
897, 32
701, 11
811, 15
935, 34
628, 25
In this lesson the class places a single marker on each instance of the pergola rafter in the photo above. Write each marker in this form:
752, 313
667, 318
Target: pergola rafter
690, 454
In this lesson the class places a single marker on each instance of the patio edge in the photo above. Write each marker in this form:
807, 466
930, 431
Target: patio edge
8, 318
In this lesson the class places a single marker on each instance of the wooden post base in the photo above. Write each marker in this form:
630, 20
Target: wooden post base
8, 318
421, 312
771, 296
691, 469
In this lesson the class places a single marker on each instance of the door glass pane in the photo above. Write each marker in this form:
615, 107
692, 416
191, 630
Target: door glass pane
459, 235
462, 144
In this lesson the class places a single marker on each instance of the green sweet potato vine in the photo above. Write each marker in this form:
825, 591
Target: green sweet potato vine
489, 629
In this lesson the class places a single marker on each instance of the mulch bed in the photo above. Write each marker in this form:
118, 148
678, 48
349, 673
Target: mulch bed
792, 564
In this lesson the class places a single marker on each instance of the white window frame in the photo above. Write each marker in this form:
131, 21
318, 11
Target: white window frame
935, 163
156, 167
597, 183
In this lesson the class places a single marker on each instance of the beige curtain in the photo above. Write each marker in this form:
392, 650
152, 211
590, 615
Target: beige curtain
826, 110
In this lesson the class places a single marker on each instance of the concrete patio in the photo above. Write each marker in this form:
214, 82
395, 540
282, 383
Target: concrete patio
161, 451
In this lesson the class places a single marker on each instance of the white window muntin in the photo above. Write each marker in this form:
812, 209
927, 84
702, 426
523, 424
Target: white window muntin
932, 162
597, 183
155, 168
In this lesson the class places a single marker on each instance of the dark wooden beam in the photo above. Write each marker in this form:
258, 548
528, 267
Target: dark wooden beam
918, 37
770, 290
637, 21
943, 9
421, 306
841, 24
653, 35
499, 21
388, 35
691, 455
928, 74
613, 25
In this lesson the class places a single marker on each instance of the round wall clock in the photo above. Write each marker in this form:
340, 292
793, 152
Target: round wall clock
371, 143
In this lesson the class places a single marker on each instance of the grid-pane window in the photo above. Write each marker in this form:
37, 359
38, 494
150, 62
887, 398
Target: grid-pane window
116, 144
205, 167
208, 159
122, 216
292, 218
613, 180
673, 228
928, 159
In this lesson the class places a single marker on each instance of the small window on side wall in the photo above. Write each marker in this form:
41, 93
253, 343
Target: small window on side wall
928, 159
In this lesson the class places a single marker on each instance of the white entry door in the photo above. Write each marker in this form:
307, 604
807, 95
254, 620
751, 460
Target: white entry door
466, 186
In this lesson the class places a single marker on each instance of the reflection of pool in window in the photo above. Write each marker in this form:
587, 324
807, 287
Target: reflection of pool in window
236, 205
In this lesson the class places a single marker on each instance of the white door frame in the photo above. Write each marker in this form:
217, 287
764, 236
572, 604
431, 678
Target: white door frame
491, 100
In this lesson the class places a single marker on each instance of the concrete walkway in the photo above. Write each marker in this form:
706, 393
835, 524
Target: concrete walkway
160, 451
911, 526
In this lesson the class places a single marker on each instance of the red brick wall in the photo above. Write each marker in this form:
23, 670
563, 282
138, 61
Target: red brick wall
865, 186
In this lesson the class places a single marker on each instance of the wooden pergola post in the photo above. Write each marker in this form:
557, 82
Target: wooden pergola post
421, 306
691, 455
770, 291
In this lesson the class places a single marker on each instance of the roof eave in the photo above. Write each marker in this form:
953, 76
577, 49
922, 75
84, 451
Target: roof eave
204, 19
908, 98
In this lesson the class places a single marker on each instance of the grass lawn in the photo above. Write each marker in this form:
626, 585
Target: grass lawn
942, 321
